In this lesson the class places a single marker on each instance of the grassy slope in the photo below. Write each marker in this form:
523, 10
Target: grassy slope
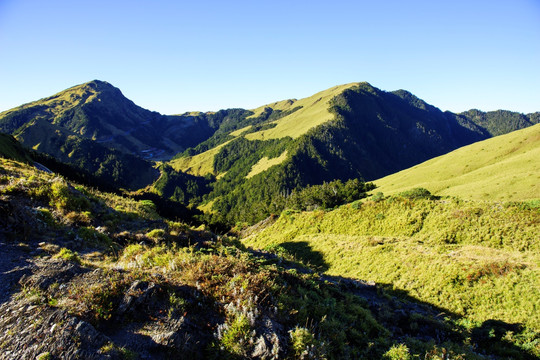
504, 167
200, 164
266, 163
229, 298
60, 102
478, 259
314, 112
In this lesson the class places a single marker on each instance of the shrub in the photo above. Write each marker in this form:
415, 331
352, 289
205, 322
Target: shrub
65, 199
68, 255
495, 269
378, 196
356, 204
92, 236
156, 234
155, 256
44, 356
329, 195
148, 207
236, 334
176, 303
398, 352
416, 193
46, 217
79, 218
176, 228
131, 251
303, 344
98, 301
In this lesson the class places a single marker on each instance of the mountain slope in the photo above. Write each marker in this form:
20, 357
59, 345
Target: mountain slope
94, 127
98, 111
359, 132
476, 259
504, 167
11, 149
313, 111
501, 121
380, 132
252, 158
92, 275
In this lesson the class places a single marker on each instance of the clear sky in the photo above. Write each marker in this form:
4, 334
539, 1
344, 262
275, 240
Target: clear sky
177, 56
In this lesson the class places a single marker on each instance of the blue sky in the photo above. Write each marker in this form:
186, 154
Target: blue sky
177, 56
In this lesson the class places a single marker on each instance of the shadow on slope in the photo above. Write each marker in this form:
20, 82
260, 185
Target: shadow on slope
414, 322
303, 252
411, 320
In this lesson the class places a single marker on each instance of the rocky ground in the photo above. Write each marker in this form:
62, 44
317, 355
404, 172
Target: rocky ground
33, 325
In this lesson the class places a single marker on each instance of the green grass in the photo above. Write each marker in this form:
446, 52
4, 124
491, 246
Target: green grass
505, 167
234, 297
68, 255
266, 163
241, 131
200, 164
476, 259
314, 112
60, 101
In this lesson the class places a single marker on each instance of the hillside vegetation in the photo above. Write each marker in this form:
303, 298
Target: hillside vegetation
95, 128
505, 167
89, 270
314, 111
11, 149
240, 163
99, 111
107, 277
475, 259
366, 133
501, 121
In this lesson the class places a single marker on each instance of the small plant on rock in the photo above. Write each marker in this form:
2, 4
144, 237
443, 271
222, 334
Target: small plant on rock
68, 255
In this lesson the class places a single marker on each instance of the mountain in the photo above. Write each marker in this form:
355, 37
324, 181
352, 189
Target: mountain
505, 167
94, 127
241, 163
501, 121
99, 111
336, 275
346, 132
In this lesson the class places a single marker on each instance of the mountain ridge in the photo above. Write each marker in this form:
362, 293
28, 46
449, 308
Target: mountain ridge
350, 131
98, 111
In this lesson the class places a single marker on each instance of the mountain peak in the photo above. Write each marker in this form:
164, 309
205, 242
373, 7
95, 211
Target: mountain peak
94, 86
99, 84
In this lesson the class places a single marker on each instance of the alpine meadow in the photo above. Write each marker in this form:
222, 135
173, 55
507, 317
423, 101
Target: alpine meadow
355, 223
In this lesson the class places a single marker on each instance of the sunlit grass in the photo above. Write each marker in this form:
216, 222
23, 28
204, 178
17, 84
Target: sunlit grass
477, 259
200, 164
266, 163
314, 112
505, 167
